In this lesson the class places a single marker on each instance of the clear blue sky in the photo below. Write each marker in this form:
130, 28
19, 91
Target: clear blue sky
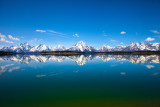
65, 22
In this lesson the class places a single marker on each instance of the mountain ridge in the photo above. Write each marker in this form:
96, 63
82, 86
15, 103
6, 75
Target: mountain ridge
82, 47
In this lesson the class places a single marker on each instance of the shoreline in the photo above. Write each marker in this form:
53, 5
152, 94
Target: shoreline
102, 53
2, 53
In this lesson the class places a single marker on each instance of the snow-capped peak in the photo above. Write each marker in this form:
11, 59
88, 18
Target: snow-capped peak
82, 47
105, 48
142, 47
39, 48
59, 48
81, 44
24, 46
1, 47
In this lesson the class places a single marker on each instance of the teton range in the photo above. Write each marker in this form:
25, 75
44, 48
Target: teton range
83, 47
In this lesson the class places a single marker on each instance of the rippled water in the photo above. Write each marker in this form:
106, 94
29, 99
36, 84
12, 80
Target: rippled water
80, 81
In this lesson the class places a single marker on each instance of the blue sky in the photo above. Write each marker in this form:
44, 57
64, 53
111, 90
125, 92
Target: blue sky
65, 22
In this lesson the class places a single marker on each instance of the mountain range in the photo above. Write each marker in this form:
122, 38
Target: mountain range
82, 47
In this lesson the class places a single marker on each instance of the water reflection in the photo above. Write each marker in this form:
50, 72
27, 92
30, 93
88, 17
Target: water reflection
150, 66
81, 59
8, 67
53, 77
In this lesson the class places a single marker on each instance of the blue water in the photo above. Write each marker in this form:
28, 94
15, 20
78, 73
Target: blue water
80, 81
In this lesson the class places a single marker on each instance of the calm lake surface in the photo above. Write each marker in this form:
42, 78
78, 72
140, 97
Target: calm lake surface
80, 81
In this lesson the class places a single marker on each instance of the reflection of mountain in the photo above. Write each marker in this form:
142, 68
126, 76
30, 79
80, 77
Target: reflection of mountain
133, 58
82, 59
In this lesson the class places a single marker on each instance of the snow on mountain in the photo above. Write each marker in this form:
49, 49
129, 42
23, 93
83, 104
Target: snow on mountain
19, 48
106, 48
143, 47
119, 48
153, 46
59, 48
136, 47
25, 48
39, 48
1, 48
81, 47
132, 47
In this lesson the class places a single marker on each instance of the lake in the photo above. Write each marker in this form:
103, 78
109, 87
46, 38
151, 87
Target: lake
80, 81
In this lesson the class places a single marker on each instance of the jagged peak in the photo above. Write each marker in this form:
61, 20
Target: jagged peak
24, 44
41, 45
134, 43
81, 43
59, 46
83, 47
107, 46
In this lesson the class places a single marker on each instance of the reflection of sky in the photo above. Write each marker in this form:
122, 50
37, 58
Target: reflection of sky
8, 67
